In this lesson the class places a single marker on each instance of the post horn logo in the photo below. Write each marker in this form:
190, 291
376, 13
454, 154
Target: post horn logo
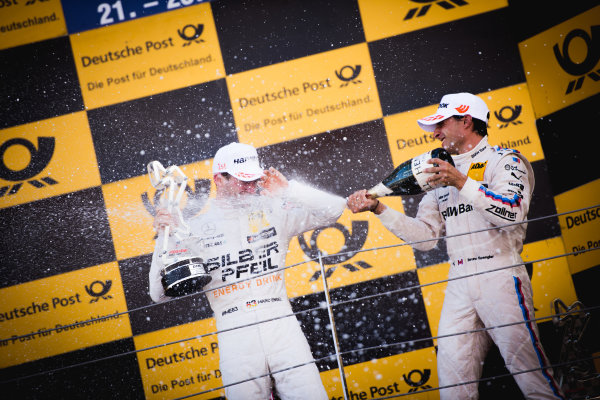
191, 33
509, 115
585, 67
99, 289
421, 11
353, 74
39, 159
353, 242
196, 199
421, 383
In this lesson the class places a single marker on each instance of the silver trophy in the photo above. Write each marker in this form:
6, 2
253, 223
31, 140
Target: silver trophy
183, 272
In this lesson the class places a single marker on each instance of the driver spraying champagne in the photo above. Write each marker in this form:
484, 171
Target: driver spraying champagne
243, 239
480, 200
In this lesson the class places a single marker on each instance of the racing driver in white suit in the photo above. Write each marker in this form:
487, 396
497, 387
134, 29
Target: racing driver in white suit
242, 235
489, 187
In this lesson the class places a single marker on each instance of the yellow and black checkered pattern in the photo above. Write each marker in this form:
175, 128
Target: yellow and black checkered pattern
329, 92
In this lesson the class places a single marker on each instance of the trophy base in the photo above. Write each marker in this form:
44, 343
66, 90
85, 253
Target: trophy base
185, 277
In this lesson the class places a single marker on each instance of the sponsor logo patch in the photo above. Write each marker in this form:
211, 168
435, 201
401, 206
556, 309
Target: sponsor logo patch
476, 170
454, 211
267, 233
502, 212
229, 311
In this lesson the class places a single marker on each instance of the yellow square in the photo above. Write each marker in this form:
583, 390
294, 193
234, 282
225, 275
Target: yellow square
130, 205
551, 279
149, 55
24, 22
305, 96
434, 293
62, 313
387, 377
556, 64
48, 158
187, 364
352, 236
580, 229
384, 18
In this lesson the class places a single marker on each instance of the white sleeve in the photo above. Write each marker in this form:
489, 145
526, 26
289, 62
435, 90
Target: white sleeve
157, 292
309, 208
426, 225
506, 198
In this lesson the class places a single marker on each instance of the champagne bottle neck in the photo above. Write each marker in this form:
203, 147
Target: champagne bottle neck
410, 178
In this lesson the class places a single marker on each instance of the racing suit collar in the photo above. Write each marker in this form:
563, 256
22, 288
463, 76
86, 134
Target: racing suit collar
470, 154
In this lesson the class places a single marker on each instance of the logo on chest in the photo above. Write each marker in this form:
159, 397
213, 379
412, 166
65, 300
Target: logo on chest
456, 210
476, 170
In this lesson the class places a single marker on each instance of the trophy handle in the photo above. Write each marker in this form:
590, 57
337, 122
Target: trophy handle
173, 181
180, 276
156, 172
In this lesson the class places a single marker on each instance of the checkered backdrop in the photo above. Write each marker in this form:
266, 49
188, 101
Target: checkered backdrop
329, 92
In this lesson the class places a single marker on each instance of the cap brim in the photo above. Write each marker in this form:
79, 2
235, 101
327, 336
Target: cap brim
249, 175
428, 123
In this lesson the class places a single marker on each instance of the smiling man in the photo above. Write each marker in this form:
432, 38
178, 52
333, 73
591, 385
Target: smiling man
243, 239
489, 188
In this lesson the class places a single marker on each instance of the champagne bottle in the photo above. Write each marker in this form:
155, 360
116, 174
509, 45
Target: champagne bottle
409, 177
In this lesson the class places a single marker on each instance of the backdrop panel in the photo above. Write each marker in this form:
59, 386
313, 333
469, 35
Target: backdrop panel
329, 92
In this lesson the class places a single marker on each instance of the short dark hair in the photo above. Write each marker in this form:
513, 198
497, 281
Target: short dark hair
479, 126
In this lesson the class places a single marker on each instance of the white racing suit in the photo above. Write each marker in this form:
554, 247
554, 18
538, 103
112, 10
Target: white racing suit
237, 242
497, 192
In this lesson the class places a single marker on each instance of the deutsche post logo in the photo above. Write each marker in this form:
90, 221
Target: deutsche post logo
421, 11
191, 33
509, 115
353, 242
421, 383
39, 159
349, 74
582, 69
98, 290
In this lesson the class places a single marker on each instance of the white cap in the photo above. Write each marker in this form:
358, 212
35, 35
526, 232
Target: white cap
239, 160
456, 104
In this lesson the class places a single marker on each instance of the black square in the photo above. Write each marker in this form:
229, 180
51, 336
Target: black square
38, 81
473, 55
564, 135
147, 316
175, 128
53, 236
256, 33
96, 372
373, 319
541, 209
340, 161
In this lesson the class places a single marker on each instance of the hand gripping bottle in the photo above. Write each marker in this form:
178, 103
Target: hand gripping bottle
409, 177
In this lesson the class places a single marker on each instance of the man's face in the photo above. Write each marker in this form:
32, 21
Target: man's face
229, 186
452, 133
